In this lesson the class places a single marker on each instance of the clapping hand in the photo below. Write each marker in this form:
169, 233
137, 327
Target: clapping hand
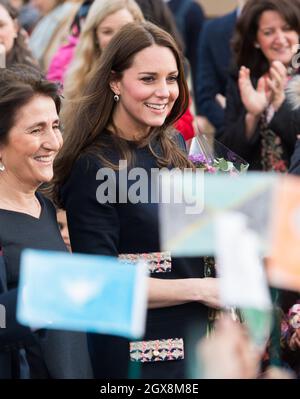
276, 82
269, 91
254, 100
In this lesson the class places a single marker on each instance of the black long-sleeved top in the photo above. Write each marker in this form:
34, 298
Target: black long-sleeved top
285, 123
114, 229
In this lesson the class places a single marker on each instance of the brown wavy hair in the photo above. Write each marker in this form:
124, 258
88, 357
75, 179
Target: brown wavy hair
86, 118
246, 32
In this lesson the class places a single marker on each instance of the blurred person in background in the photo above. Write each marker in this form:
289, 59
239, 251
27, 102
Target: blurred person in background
63, 227
65, 53
12, 39
190, 19
260, 124
52, 29
104, 20
28, 16
213, 66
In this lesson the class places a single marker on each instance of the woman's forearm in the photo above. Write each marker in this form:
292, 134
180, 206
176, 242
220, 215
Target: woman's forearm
251, 122
164, 293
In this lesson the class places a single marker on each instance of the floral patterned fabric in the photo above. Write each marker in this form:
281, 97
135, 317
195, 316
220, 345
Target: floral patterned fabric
157, 351
271, 149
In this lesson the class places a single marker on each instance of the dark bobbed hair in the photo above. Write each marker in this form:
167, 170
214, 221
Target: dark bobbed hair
86, 118
245, 34
20, 53
18, 85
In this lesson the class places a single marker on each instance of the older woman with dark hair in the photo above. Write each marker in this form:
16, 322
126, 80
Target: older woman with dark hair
260, 124
30, 139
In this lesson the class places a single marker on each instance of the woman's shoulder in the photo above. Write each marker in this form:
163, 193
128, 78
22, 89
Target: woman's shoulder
47, 205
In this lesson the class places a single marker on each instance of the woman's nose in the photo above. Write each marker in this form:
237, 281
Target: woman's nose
280, 36
163, 90
53, 140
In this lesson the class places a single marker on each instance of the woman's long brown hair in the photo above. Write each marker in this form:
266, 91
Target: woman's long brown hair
84, 120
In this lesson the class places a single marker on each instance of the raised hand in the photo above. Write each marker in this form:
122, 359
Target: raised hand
255, 100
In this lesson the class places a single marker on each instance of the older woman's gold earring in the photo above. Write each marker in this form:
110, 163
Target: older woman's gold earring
2, 167
116, 98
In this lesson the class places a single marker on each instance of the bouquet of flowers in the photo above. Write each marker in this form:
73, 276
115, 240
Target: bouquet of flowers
214, 157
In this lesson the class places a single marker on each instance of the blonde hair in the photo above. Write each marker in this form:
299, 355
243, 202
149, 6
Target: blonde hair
88, 51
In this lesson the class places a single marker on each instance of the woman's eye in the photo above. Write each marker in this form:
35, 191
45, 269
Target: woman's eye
36, 131
148, 79
107, 32
172, 78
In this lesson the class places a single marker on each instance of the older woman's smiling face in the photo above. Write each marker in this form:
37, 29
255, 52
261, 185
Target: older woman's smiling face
32, 144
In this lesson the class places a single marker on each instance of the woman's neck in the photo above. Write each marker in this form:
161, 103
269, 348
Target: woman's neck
18, 197
125, 128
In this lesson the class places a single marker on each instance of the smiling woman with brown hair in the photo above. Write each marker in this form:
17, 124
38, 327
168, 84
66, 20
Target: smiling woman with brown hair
136, 92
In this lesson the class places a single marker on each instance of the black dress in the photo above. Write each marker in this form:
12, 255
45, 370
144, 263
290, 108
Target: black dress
125, 228
51, 354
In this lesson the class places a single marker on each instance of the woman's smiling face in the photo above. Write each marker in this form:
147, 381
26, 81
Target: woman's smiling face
32, 143
276, 39
148, 90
